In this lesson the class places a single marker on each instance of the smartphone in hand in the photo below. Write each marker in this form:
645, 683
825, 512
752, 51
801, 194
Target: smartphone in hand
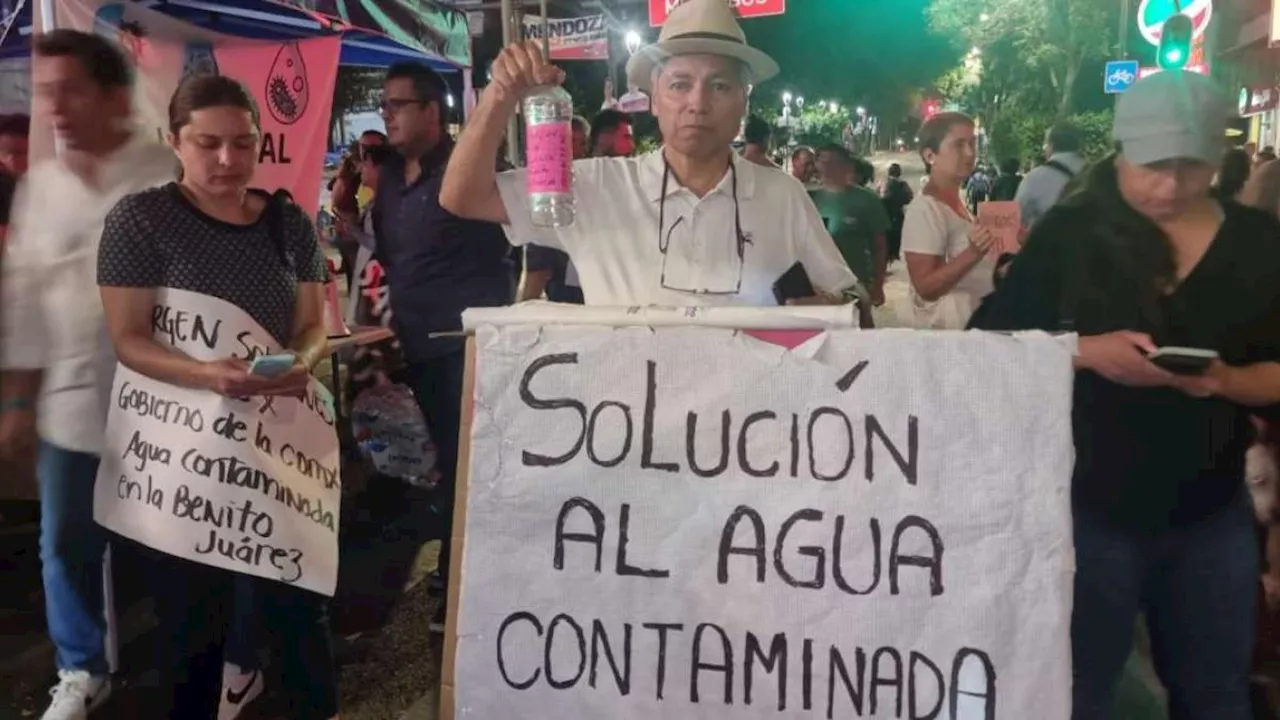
270, 366
1182, 360
793, 284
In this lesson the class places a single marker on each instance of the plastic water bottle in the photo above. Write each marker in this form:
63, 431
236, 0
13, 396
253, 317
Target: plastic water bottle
548, 118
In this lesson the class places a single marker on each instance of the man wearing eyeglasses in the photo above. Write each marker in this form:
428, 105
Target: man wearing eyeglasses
436, 264
690, 224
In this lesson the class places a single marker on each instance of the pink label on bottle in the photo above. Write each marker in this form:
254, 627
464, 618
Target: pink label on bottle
550, 153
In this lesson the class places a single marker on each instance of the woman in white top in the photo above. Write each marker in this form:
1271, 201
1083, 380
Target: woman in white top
947, 254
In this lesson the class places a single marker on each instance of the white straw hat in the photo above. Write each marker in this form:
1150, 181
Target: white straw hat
700, 27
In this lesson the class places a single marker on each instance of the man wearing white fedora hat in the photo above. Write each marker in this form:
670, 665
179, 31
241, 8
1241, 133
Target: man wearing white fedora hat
689, 224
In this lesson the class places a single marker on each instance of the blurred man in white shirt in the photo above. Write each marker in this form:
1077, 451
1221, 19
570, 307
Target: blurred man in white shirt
56, 358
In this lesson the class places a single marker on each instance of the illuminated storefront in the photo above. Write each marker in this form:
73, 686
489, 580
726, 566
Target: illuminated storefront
1250, 67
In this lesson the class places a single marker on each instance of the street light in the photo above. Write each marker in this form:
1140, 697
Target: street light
800, 103
835, 107
984, 17
861, 110
633, 41
786, 109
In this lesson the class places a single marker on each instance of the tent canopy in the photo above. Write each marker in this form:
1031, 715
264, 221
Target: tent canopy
262, 20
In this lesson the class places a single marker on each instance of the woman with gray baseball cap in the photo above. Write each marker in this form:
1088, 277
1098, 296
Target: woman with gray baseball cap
1138, 257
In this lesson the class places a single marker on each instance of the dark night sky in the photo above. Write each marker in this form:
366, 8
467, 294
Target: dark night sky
853, 51
870, 52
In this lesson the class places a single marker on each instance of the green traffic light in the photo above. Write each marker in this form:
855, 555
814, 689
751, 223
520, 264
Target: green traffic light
1175, 42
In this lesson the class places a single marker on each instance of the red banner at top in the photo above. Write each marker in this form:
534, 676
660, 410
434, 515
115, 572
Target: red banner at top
660, 9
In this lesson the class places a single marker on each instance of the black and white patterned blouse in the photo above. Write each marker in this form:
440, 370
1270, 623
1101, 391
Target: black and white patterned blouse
158, 238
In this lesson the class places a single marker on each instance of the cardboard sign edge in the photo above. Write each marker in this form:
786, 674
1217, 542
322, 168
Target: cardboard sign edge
447, 681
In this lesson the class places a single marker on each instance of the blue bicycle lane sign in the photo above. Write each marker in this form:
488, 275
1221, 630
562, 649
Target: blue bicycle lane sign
1119, 75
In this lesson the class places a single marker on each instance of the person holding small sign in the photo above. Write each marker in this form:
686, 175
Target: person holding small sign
1176, 298
948, 255
688, 225
211, 234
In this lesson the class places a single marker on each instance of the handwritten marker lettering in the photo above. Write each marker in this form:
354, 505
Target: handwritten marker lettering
252, 486
701, 527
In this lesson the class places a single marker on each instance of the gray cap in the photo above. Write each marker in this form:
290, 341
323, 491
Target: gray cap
1170, 115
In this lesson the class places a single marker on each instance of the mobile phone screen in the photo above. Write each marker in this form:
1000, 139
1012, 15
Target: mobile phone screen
272, 365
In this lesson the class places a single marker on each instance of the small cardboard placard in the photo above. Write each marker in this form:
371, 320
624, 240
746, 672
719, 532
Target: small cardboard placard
1004, 218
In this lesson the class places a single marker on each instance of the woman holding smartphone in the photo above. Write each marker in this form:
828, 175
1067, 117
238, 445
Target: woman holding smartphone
1141, 256
212, 234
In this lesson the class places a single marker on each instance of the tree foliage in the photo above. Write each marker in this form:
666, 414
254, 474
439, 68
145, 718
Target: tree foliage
1019, 135
1026, 72
356, 90
816, 125
1037, 47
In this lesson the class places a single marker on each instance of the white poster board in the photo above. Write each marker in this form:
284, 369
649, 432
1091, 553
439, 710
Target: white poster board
692, 523
251, 486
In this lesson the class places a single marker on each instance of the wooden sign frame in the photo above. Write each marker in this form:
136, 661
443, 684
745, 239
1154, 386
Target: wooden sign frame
447, 679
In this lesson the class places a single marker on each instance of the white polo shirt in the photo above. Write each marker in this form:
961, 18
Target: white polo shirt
696, 259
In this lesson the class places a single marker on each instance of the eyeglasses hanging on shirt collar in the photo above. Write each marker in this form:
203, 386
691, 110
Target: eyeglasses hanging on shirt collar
664, 238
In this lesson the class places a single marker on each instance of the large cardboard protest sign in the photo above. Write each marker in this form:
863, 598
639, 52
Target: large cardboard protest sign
692, 523
292, 82
249, 485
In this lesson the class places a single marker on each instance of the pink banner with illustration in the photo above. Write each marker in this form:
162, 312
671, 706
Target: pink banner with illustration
292, 81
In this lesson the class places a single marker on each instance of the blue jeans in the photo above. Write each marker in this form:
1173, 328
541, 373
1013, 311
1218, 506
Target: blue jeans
1196, 585
72, 547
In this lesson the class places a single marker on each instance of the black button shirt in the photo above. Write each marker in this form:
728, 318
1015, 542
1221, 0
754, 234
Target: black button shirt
437, 263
